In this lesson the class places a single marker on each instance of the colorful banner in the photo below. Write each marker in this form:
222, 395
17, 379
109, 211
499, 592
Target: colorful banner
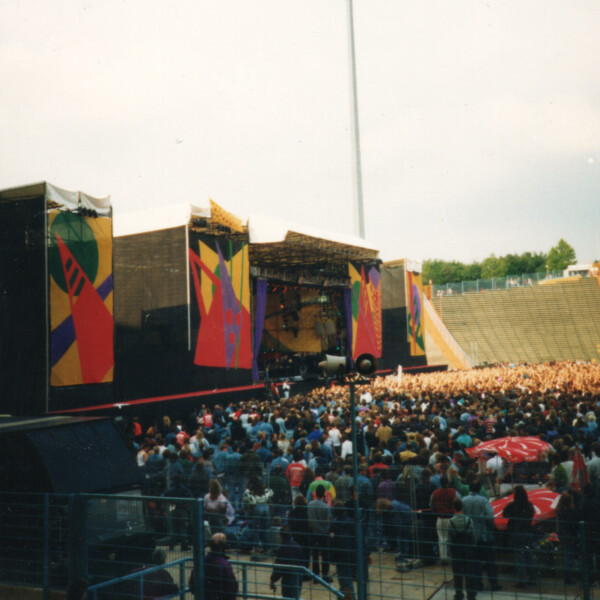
416, 333
81, 298
222, 217
366, 310
221, 283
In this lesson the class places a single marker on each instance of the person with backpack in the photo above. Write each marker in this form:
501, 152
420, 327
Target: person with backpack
461, 543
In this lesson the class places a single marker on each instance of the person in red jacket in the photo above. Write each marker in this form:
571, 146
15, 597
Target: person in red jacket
441, 504
295, 471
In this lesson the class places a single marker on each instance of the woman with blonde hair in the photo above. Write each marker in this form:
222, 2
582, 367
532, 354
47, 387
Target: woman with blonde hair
217, 508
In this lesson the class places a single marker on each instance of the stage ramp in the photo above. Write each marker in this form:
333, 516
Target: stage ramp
442, 348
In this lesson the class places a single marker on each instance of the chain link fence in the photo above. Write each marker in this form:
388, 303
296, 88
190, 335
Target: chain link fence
494, 283
149, 547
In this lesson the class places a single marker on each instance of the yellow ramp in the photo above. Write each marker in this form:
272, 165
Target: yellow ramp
442, 338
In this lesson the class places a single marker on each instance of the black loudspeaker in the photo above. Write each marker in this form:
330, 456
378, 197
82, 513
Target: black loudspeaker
365, 364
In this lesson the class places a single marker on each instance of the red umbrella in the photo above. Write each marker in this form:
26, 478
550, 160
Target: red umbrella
514, 449
544, 502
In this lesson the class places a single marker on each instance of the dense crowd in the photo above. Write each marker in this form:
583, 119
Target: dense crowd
286, 461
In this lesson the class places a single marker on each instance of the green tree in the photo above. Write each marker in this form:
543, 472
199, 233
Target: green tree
493, 267
473, 271
441, 272
561, 256
533, 263
432, 271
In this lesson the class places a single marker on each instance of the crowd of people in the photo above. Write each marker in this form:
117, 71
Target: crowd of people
277, 472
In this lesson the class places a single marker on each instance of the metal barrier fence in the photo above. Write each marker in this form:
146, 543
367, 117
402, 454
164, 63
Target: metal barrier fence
495, 283
131, 546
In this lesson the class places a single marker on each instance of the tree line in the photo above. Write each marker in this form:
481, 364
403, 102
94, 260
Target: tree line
441, 272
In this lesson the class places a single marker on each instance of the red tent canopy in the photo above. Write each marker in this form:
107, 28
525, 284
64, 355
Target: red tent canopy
514, 449
544, 502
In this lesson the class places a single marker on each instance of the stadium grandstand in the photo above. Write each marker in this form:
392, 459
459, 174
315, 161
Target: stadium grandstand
558, 319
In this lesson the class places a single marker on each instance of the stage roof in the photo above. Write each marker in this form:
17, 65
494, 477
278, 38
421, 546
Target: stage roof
57, 197
282, 245
274, 243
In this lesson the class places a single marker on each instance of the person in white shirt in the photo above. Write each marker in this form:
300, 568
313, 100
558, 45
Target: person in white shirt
346, 447
335, 435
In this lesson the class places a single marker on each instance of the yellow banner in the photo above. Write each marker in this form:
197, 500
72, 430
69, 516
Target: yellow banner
220, 215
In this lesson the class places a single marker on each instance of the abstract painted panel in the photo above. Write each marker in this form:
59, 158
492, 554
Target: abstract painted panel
81, 298
220, 273
416, 333
366, 310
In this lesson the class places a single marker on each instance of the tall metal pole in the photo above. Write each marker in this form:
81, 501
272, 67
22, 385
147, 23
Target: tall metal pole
360, 550
359, 217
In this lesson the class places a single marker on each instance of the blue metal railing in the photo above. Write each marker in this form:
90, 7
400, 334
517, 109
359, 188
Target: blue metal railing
184, 588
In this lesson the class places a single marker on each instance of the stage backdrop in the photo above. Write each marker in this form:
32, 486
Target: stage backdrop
366, 309
290, 330
81, 298
416, 333
220, 297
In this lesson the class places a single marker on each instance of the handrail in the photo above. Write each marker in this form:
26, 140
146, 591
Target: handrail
93, 589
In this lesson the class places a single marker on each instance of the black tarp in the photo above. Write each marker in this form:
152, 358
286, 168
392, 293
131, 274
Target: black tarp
23, 339
66, 456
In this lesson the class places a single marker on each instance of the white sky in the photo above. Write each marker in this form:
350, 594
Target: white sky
479, 122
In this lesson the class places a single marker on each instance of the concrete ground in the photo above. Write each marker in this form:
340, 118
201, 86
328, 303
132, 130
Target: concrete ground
387, 582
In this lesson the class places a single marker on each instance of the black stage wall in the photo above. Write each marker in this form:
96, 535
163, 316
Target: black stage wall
23, 326
155, 327
396, 349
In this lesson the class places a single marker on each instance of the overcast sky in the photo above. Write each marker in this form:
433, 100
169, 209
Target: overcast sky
479, 121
